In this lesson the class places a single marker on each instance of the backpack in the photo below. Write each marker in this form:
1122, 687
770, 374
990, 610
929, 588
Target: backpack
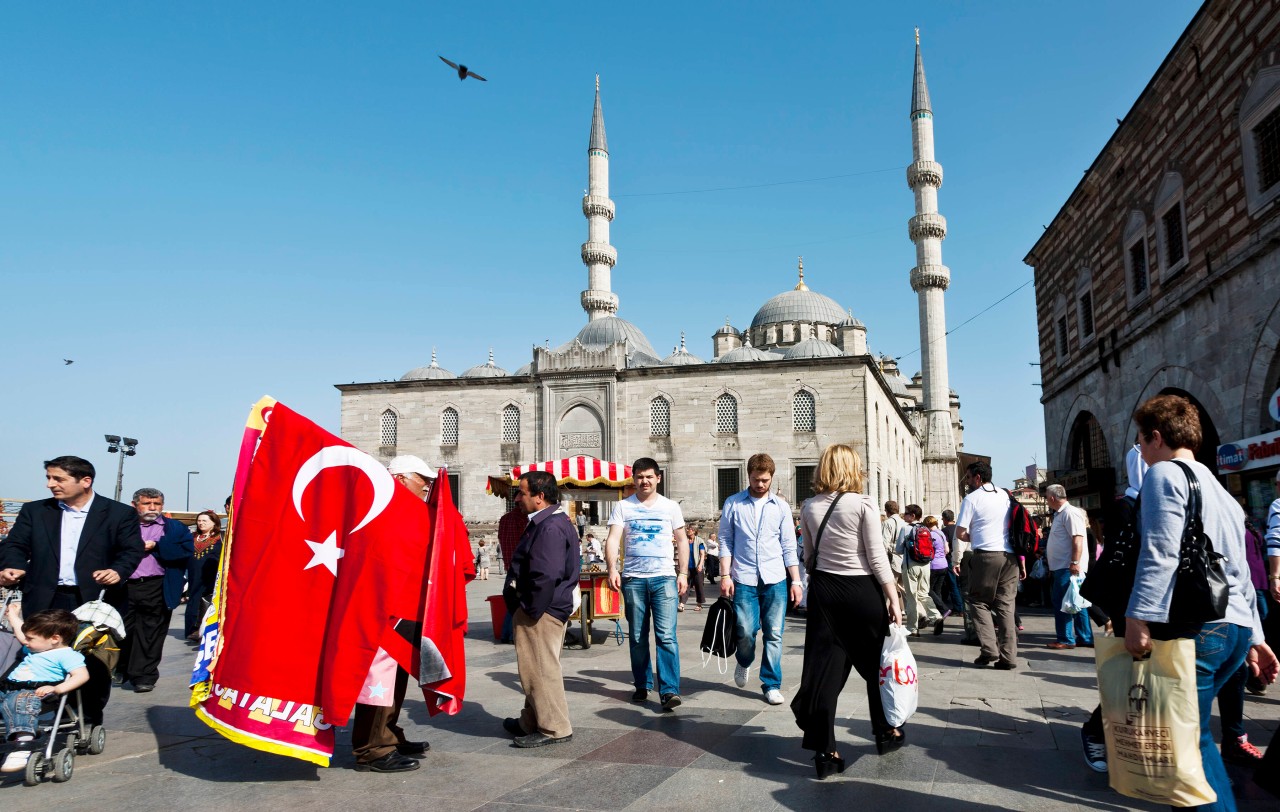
720, 635
919, 544
1024, 534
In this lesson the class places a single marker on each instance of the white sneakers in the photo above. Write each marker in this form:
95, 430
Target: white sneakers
16, 761
740, 674
774, 697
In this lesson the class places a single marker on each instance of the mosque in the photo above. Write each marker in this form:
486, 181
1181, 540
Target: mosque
797, 378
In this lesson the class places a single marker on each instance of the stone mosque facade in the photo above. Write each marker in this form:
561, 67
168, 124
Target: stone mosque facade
799, 377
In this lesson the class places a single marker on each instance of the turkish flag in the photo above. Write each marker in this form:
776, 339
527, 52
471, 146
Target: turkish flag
328, 551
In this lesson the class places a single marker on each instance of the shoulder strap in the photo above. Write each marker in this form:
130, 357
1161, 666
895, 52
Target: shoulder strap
1194, 516
826, 518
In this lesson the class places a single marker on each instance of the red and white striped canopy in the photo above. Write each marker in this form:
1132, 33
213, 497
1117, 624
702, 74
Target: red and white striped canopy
581, 471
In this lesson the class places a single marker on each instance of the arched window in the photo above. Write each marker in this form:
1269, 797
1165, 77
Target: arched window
726, 414
449, 426
511, 424
659, 417
387, 425
804, 412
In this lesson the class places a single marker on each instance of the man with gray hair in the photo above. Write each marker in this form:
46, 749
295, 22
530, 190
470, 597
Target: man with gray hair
1066, 557
149, 595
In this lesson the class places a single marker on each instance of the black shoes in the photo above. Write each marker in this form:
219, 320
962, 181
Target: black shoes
1006, 665
392, 762
512, 726
537, 739
144, 688
640, 695
938, 627
887, 742
984, 660
827, 764
670, 701
413, 749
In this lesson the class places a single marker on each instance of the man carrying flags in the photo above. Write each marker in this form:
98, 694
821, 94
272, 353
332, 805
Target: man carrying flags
377, 740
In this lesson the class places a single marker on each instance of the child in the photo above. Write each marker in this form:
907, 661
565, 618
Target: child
50, 667
482, 562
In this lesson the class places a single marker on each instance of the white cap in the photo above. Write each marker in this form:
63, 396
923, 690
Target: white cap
409, 464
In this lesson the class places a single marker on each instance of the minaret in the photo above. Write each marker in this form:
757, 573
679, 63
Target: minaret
929, 278
597, 254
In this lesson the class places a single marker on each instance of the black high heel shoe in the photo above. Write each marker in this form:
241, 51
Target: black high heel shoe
887, 742
827, 763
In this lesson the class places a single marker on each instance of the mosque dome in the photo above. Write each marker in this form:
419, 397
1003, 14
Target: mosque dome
431, 372
850, 321
527, 369
681, 357
486, 370
601, 332
727, 330
747, 353
800, 305
893, 376
812, 348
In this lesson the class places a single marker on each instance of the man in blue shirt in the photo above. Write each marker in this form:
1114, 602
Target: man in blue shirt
758, 555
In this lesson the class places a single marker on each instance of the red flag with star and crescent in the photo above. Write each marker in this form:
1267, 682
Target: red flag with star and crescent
328, 552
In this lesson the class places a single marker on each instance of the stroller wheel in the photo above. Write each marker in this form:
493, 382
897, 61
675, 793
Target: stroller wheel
35, 769
64, 763
97, 740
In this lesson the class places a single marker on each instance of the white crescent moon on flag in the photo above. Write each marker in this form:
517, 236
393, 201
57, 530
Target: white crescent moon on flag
336, 456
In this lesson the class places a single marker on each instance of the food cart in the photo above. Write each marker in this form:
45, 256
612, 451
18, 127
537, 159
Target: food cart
584, 479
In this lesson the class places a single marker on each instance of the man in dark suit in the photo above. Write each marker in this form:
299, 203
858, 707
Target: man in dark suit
150, 593
66, 549
539, 594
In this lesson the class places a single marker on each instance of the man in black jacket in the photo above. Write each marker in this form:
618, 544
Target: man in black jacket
539, 593
66, 549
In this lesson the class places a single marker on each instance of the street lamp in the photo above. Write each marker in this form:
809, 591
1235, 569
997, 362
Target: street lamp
127, 446
189, 475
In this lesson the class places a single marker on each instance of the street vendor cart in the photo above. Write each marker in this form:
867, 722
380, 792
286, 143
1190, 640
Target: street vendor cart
582, 479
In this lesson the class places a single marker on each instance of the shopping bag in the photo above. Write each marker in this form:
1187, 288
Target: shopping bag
1151, 717
1039, 570
899, 689
720, 635
1073, 603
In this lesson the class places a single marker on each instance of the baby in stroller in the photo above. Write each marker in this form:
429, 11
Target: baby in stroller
50, 667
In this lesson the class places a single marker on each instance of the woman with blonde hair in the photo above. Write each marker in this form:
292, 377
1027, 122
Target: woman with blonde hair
852, 599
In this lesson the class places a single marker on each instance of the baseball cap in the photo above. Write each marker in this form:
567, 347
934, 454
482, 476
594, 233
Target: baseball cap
409, 464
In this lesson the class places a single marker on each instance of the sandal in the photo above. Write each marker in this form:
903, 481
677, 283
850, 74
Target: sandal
698, 608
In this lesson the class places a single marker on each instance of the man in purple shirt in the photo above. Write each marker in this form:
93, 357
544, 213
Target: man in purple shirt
150, 594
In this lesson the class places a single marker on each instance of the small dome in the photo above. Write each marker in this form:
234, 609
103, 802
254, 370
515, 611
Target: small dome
431, 372
681, 357
527, 369
600, 333
727, 330
850, 321
486, 370
747, 353
812, 348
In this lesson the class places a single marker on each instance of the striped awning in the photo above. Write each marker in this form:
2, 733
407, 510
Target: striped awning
580, 471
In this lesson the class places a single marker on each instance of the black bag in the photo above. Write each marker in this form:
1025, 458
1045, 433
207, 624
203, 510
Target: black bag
1200, 587
1110, 581
1024, 534
720, 636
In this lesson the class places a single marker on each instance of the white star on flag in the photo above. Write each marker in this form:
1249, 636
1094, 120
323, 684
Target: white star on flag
327, 553
377, 690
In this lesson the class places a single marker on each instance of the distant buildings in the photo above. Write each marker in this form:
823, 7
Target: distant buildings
1161, 272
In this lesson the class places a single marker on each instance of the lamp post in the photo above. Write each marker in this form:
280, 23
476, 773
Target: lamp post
189, 475
127, 447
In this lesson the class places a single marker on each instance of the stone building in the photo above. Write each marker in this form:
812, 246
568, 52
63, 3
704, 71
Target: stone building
1161, 273
799, 377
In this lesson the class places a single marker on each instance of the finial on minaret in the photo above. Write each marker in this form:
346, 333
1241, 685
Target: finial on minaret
919, 88
491, 356
433, 357
917, 43
801, 285
598, 140
682, 349
598, 75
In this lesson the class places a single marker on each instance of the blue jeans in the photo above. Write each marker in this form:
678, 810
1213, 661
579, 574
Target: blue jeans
1072, 629
761, 607
1220, 651
21, 711
656, 598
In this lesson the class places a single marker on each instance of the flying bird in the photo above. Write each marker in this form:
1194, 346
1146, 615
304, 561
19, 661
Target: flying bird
67, 361
463, 73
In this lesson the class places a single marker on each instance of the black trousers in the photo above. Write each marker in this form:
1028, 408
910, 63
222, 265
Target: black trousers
146, 622
940, 590
97, 690
847, 624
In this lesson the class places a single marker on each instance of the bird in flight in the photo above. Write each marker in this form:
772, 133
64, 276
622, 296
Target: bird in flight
463, 73
67, 361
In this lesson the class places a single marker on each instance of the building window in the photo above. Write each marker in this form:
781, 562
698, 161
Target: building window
449, 426
728, 482
804, 483
804, 413
387, 428
1171, 225
1138, 268
1062, 336
1175, 246
1266, 145
659, 417
1260, 137
1086, 315
727, 415
455, 489
511, 424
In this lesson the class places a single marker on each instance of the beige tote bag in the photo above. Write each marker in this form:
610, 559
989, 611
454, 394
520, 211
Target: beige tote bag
1151, 716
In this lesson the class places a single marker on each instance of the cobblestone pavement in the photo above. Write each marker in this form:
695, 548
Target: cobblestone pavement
982, 740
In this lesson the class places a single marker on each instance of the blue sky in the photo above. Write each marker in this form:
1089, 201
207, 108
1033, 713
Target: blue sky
206, 203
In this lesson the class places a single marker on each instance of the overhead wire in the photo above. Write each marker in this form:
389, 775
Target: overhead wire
971, 318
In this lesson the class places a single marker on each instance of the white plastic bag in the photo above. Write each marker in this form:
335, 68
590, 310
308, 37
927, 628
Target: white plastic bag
1073, 603
1039, 571
899, 689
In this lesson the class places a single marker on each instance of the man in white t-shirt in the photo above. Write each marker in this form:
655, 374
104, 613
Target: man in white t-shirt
994, 570
652, 579
1066, 556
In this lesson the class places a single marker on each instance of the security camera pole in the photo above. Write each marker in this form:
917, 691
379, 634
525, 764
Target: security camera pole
127, 446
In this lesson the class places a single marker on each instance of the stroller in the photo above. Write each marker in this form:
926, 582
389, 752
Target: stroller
101, 630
